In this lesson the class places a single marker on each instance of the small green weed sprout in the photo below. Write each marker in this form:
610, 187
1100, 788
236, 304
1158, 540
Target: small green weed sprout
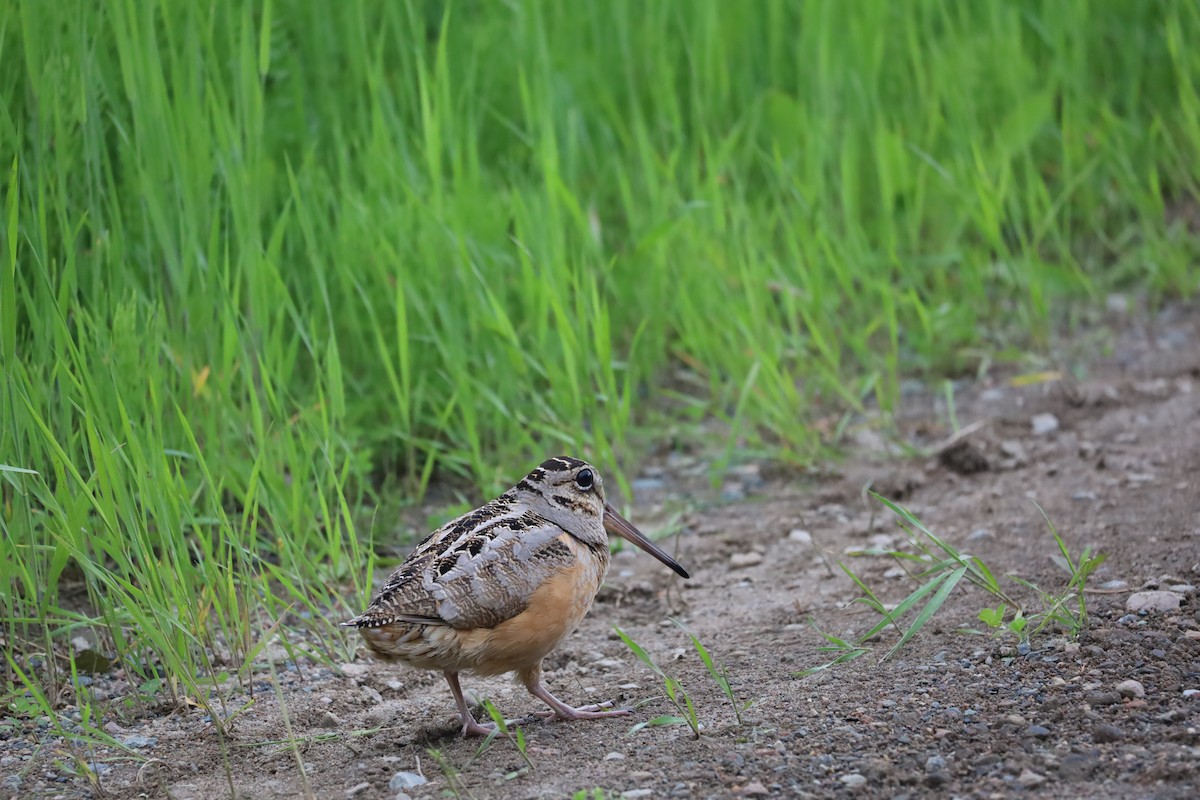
941, 567
684, 707
846, 651
517, 738
455, 786
721, 676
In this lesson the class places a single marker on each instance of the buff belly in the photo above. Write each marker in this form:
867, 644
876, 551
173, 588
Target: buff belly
554, 611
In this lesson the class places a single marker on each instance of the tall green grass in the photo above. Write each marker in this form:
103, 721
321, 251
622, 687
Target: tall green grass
269, 266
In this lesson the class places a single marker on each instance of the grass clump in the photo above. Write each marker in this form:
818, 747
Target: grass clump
685, 707
265, 273
939, 569
680, 699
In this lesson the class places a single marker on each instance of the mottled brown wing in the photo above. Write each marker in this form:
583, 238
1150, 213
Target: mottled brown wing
477, 579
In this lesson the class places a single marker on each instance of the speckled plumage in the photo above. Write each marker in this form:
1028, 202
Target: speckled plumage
496, 589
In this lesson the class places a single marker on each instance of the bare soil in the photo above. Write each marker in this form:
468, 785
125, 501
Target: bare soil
952, 713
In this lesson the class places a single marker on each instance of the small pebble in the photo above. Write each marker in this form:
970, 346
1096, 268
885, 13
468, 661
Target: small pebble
935, 764
1014, 450
1099, 699
801, 537
405, 780
1104, 733
1131, 689
634, 793
852, 780
615, 756
748, 559
1037, 731
140, 741
1028, 778
1188, 694
1076, 766
357, 789
354, 670
755, 789
1043, 424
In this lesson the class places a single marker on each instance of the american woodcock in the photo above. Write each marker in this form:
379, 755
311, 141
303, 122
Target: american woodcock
497, 589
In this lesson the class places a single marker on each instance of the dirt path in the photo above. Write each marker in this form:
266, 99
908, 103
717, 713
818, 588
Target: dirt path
959, 713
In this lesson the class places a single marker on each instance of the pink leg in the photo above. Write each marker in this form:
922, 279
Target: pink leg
470, 726
533, 682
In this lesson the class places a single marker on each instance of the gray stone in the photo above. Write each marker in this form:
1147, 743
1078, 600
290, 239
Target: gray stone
139, 741
1042, 425
1028, 778
357, 789
1104, 733
1014, 450
1159, 601
853, 780
1077, 766
1131, 689
1100, 699
354, 670
405, 780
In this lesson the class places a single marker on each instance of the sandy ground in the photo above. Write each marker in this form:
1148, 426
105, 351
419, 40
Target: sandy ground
1116, 466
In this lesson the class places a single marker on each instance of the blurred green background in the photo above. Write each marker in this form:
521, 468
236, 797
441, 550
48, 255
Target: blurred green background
269, 268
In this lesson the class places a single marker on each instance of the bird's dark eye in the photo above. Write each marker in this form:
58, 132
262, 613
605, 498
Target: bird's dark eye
584, 479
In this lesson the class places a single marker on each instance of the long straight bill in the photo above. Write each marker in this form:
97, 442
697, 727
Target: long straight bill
614, 523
